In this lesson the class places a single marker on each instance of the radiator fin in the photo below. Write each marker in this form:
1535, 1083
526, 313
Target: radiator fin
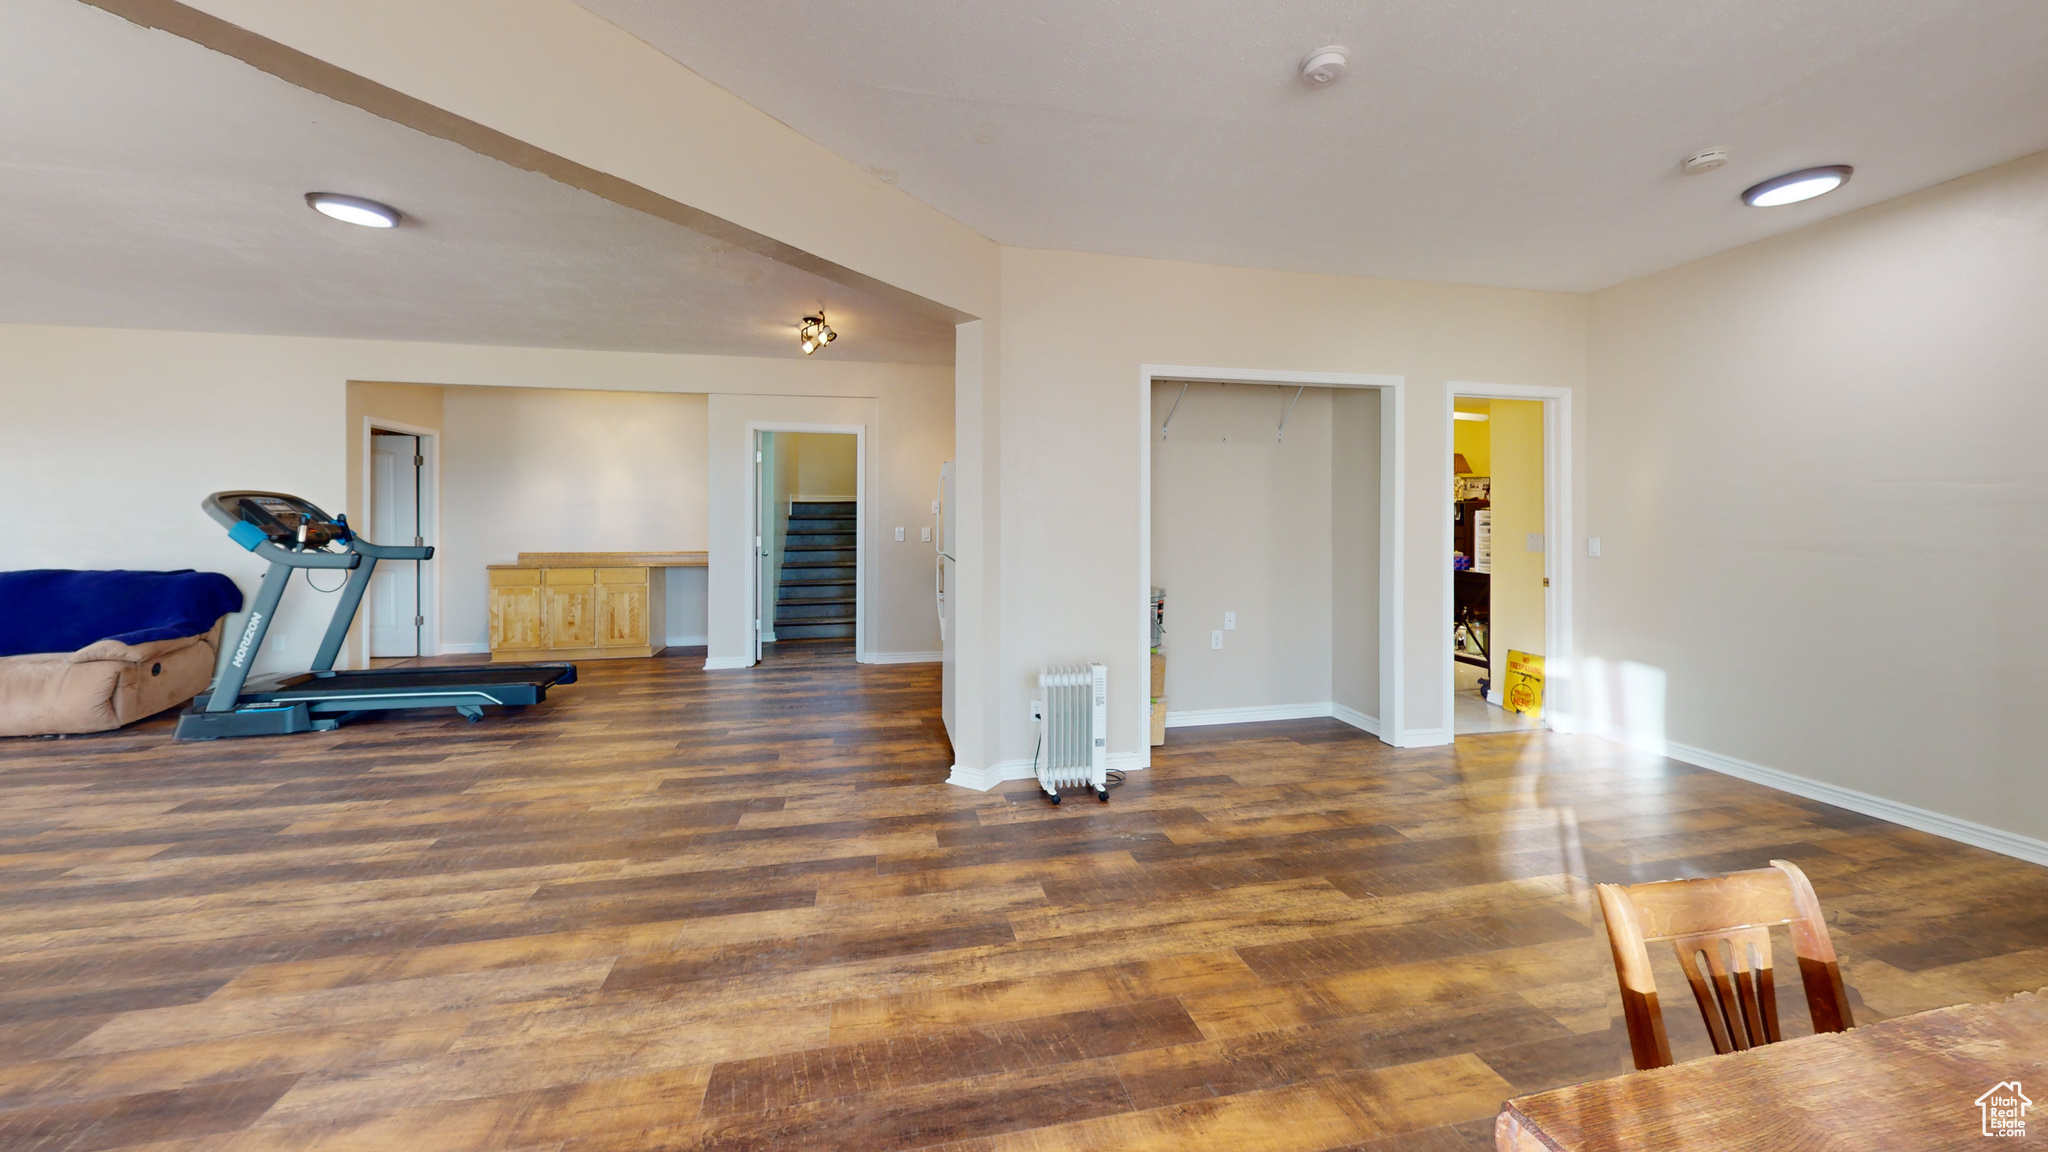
1074, 732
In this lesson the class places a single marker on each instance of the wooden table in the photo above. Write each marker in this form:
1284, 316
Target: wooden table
1909, 1084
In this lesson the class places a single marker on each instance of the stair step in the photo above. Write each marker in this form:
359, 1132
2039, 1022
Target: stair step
810, 630
827, 590
804, 611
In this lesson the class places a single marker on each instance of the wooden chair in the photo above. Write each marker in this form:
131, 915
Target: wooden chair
1720, 928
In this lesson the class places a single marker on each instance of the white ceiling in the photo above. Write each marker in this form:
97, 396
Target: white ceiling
1477, 141
149, 182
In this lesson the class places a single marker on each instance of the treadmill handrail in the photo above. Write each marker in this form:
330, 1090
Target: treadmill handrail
278, 554
392, 551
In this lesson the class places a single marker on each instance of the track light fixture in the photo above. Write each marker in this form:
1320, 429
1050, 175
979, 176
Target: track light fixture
814, 333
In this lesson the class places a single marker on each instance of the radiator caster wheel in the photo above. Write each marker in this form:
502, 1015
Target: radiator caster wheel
1054, 797
1102, 794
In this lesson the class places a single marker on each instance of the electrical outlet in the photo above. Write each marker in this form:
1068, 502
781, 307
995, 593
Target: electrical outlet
925, 534
1215, 639
1038, 711
1592, 545
899, 534
1229, 621
1535, 543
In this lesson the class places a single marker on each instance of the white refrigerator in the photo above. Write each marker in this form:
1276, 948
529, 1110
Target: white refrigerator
945, 564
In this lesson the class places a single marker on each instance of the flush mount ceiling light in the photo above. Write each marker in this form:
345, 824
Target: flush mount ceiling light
1468, 415
353, 210
1793, 187
1325, 65
814, 333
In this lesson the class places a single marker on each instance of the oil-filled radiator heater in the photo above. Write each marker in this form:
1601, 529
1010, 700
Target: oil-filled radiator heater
1073, 729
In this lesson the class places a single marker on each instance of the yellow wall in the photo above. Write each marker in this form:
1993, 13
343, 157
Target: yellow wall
1473, 440
825, 463
1516, 435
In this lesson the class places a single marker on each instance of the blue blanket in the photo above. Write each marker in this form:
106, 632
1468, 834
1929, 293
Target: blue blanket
60, 610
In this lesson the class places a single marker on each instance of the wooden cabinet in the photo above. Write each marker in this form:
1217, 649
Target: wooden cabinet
622, 609
569, 607
515, 610
559, 609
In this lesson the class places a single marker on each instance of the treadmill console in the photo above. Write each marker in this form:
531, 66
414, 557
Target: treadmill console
287, 521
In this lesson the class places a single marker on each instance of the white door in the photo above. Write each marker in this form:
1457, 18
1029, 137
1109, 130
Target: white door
394, 596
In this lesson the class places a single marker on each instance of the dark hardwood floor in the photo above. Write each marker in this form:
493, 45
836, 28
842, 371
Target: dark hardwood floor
738, 910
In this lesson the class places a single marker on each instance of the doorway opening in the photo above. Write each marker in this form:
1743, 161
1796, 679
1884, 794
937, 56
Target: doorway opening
1506, 628
808, 515
400, 596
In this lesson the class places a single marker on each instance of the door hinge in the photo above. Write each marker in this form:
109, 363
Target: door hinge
1546, 581
419, 461
419, 541
757, 457
419, 621
757, 623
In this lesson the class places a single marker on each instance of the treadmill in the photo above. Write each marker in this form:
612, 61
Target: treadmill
292, 533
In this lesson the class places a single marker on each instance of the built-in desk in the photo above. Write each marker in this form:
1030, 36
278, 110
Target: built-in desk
582, 605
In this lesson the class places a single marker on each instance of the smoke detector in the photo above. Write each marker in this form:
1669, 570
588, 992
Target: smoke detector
1325, 65
1705, 160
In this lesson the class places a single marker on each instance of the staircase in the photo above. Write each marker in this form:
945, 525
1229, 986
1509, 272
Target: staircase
814, 599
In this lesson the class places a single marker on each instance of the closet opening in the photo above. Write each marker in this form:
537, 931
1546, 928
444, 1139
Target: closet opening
1265, 543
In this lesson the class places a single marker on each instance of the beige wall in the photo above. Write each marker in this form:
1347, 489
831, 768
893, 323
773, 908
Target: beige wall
167, 417
908, 417
1817, 475
1515, 455
1355, 532
1076, 330
551, 470
1241, 523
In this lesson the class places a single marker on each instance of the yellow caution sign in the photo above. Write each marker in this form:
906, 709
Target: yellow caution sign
1523, 689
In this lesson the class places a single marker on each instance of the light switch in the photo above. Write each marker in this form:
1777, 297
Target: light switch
1535, 541
925, 534
1229, 620
899, 534
1592, 545
1215, 639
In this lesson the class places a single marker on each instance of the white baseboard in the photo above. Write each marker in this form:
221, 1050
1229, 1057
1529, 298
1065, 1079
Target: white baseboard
673, 642
1195, 718
1954, 828
722, 663
1423, 738
983, 779
1355, 718
1200, 717
902, 657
